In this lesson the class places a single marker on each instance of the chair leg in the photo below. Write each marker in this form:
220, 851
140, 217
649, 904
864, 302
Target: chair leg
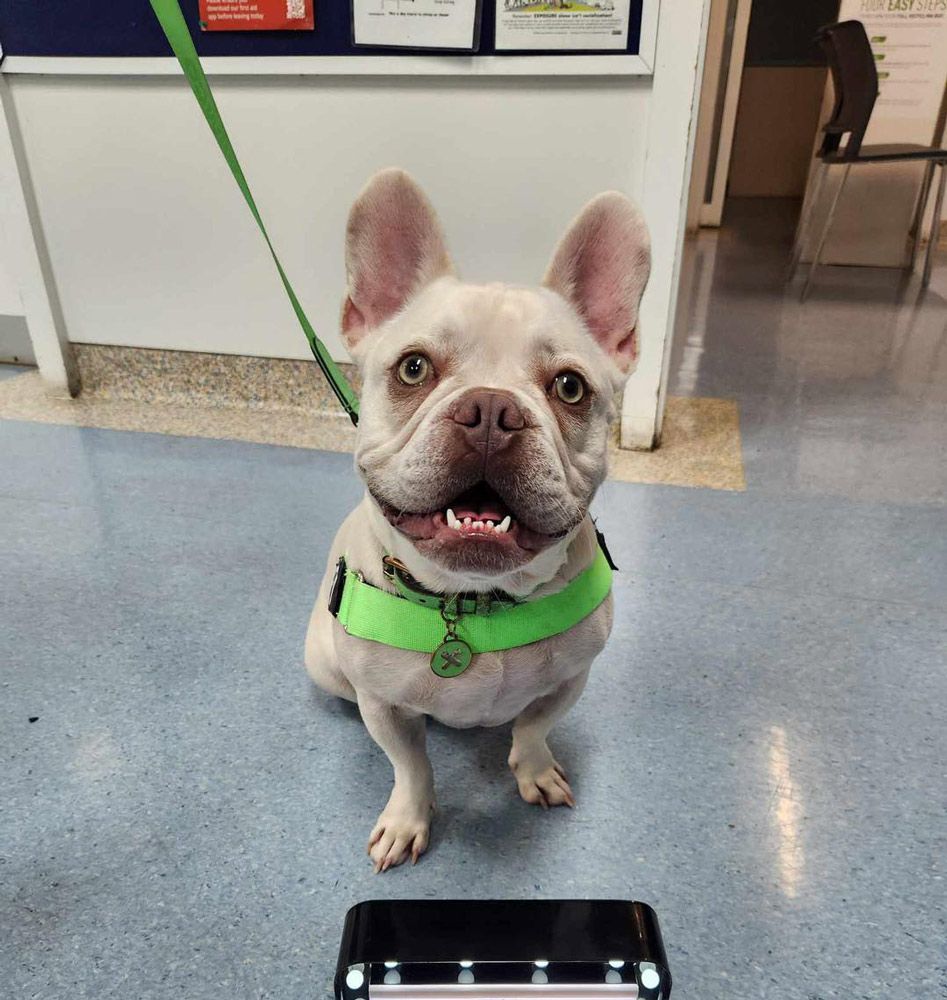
805, 218
918, 224
825, 233
935, 227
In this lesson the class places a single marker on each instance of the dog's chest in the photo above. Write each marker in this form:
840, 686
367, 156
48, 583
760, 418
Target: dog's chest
495, 688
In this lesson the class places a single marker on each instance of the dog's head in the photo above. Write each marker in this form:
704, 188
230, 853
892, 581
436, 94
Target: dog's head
485, 408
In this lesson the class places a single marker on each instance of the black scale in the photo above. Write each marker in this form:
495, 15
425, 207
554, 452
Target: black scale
502, 950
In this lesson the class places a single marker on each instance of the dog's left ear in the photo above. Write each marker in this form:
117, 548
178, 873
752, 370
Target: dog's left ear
393, 248
601, 267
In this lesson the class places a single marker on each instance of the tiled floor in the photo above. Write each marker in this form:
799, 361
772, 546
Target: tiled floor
759, 753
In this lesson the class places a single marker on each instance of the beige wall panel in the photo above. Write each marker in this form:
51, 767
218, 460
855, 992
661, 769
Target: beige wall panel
776, 120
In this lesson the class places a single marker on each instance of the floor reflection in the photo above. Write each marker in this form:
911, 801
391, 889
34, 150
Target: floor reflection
845, 394
787, 812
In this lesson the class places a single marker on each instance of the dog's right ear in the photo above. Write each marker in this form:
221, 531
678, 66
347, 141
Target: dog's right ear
393, 248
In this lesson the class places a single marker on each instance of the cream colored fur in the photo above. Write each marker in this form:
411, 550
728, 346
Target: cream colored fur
403, 296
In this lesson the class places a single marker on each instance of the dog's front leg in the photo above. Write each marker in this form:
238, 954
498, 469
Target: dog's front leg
541, 780
404, 826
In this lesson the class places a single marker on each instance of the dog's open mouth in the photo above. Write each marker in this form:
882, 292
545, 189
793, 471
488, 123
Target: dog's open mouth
478, 516
479, 511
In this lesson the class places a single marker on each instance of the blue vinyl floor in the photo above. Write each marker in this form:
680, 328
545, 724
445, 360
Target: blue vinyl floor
759, 754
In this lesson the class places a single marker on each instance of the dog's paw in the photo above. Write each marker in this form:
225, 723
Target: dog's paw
542, 783
399, 834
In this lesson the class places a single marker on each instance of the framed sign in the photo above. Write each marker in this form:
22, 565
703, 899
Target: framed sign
452, 25
256, 15
562, 25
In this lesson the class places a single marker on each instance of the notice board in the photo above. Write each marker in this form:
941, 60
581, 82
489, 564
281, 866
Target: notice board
127, 28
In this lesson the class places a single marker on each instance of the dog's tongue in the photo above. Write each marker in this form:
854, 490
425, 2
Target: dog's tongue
481, 504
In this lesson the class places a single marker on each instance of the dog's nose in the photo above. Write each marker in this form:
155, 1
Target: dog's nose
492, 413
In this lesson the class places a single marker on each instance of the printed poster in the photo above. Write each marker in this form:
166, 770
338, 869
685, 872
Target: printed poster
562, 24
257, 15
416, 24
909, 42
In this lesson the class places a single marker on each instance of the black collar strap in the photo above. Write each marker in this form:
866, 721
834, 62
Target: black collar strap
461, 604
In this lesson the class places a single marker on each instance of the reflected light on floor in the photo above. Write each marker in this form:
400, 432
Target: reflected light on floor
786, 811
697, 274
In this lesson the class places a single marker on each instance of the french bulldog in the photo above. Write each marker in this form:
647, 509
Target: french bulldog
483, 436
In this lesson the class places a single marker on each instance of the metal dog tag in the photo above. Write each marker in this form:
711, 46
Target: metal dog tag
451, 658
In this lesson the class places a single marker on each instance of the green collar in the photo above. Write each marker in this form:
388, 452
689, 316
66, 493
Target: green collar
457, 627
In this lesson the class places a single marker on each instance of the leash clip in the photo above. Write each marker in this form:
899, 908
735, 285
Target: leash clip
391, 565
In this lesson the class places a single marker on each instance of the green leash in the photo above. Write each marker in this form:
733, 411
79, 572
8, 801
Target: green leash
175, 28
451, 630
452, 636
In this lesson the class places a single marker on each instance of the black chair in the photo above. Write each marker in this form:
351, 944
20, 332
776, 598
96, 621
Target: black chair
855, 80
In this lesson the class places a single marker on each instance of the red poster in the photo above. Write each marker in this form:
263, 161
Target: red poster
257, 15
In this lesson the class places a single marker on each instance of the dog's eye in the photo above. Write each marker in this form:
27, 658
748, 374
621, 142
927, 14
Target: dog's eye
414, 369
569, 387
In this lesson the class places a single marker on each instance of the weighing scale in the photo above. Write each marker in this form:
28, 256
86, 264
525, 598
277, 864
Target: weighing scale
502, 950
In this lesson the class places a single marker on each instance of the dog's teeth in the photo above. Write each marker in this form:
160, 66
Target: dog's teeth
504, 525
451, 519
467, 521
490, 525
478, 524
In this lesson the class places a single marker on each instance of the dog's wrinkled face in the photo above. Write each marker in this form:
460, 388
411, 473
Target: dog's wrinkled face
485, 426
486, 408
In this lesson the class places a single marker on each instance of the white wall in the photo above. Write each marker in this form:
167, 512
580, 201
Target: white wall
10, 302
152, 245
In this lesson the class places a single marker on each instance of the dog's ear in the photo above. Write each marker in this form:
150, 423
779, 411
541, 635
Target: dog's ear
601, 267
393, 248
